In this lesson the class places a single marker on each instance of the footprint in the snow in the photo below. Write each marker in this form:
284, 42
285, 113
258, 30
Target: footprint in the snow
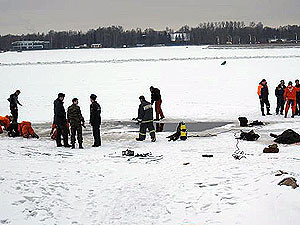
6, 221
19, 202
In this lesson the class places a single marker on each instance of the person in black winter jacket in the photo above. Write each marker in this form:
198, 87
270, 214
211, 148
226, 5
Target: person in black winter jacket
145, 119
279, 93
297, 112
95, 120
60, 121
13, 105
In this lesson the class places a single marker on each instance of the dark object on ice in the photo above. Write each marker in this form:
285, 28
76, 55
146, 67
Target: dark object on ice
243, 121
256, 123
187, 163
271, 149
13, 130
290, 181
144, 155
287, 137
128, 153
181, 133
207, 156
248, 136
280, 173
223, 63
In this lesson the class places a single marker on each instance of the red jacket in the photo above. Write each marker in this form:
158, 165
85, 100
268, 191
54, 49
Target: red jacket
4, 121
290, 93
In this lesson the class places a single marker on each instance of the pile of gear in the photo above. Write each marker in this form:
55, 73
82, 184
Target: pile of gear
181, 133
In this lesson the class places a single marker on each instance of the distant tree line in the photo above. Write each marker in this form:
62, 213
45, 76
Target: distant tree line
230, 32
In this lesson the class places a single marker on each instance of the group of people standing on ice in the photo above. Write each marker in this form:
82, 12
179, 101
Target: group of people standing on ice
287, 97
73, 121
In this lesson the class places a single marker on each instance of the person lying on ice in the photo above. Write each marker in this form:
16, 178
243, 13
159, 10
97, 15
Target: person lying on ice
5, 122
156, 97
26, 130
145, 119
263, 94
290, 97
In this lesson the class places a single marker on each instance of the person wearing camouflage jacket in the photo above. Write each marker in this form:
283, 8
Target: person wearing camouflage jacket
76, 121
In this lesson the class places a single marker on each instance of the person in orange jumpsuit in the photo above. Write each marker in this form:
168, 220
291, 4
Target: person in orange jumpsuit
5, 122
26, 130
290, 97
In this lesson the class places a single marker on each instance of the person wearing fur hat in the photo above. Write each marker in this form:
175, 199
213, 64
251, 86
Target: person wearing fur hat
95, 120
263, 94
60, 121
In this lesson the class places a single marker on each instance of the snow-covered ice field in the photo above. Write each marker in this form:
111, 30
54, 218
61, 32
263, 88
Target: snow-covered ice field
40, 184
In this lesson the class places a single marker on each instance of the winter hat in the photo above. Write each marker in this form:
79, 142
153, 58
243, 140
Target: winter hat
142, 97
93, 97
74, 99
297, 80
61, 95
263, 80
290, 83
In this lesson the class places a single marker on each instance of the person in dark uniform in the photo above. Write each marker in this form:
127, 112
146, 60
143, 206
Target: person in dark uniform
95, 120
145, 119
76, 121
13, 105
279, 93
297, 112
156, 97
263, 94
60, 121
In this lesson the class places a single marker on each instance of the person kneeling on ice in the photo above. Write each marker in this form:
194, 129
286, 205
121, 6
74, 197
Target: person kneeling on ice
290, 96
263, 94
5, 122
180, 133
145, 119
26, 130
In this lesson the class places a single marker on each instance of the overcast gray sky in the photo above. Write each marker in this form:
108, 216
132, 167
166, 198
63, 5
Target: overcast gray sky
27, 16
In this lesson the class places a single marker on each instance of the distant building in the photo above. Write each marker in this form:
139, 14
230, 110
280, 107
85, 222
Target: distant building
30, 45
96, 46
180, 37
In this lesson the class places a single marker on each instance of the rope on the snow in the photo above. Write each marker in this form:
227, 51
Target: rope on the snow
238, 154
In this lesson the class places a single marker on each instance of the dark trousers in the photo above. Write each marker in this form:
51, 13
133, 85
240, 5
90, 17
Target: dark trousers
96, 134
297, 112
264, 101
62, 130
143, 130
158, 110
15, 114
280, 105
76, 129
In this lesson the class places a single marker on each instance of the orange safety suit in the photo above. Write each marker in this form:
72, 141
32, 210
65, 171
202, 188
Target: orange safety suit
26, 130
290, 97
5, 122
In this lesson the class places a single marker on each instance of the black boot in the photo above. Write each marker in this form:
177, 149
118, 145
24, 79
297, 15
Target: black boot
268, 111
73, 146
80, 146
262, 112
